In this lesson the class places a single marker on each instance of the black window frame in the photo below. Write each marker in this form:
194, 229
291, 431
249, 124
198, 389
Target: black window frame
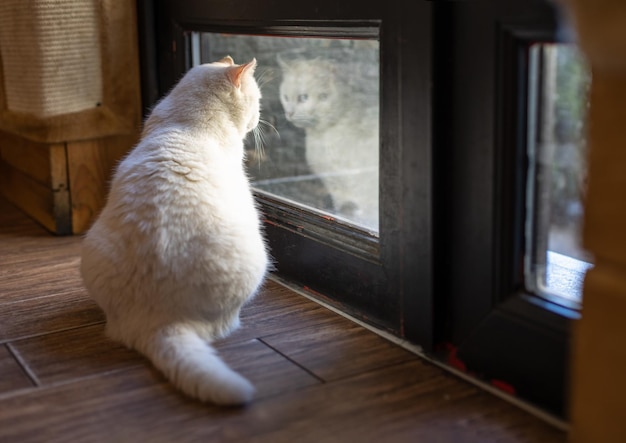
494, 328
447, 274
387, 282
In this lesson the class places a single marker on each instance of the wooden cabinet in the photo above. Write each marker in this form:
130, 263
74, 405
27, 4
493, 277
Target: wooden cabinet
56, 159
61, 185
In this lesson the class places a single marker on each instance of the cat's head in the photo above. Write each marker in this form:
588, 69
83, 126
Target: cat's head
218, 94
310, 92
245, 91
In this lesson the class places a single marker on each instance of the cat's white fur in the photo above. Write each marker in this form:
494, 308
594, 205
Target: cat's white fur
341, 134
178, 248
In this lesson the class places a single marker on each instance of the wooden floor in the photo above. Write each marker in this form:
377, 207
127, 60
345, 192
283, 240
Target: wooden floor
319, 376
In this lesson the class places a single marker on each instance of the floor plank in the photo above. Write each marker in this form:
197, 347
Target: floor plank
47, 314
348, 349
270, 373
408, 402
12, 376
38, 267
76, 353
403, 403
277, 309
86, 352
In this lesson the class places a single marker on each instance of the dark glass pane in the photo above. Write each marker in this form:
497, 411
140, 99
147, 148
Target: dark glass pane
556, 261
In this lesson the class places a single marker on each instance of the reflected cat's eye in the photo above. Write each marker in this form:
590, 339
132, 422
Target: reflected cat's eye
302, 98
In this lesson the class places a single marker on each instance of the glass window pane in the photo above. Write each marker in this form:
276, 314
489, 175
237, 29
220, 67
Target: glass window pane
318, 144
556, 261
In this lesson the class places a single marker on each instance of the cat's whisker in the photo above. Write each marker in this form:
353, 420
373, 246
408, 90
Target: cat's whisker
263, 135
271, 126
265, 76
263, 139
262, 143
258, 145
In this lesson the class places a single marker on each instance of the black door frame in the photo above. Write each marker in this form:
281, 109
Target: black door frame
389, 282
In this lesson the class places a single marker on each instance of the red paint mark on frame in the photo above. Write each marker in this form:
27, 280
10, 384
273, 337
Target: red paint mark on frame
503, 386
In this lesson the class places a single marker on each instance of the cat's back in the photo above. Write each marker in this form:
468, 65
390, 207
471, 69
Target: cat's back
175, 213
178, 247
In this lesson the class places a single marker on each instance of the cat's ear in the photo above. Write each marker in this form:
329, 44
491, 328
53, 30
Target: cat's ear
236, 73
228, 60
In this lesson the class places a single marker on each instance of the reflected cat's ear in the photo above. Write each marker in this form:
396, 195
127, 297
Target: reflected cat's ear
235, 74
228, 60
283, 65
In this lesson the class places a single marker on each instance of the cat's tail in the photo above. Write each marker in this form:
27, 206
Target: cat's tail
192, 365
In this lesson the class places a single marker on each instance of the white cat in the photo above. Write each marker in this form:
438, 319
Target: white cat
341, 133
178, 248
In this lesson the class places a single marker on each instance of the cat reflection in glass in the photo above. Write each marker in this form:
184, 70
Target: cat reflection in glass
323, 97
